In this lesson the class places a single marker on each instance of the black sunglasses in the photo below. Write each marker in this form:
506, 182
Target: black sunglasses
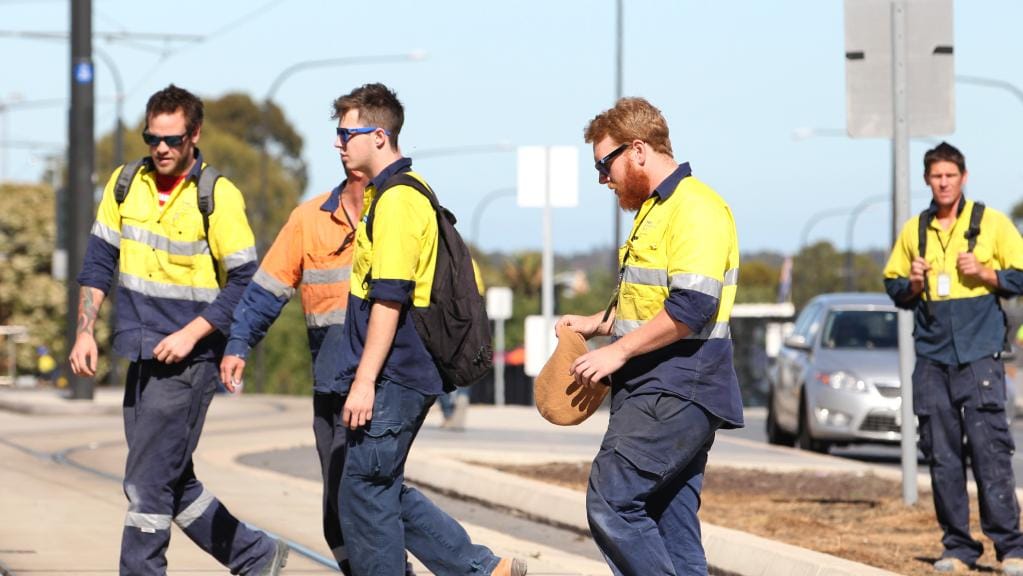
603, 165
172, 141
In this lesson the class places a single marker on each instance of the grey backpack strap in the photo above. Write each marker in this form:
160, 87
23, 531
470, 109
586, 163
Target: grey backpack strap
124, 179
207, 182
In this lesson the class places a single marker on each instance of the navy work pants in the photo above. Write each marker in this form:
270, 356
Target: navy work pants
968, 401
644, 488
164, 410
381, 517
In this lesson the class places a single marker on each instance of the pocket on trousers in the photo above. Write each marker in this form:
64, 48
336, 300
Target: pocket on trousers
374, 454
989, 377
647, 464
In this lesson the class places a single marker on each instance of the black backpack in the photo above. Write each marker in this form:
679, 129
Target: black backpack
208, 177
454, 327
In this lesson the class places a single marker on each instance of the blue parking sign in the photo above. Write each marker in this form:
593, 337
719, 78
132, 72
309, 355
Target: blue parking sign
82, 72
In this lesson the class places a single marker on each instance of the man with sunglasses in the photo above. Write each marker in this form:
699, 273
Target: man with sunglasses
174, 306
388, 378
670, 360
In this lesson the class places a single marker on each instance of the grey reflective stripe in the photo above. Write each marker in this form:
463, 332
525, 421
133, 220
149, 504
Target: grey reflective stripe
696, 283
340, 553
325, 319
732, 277
264, 280
645, 276
195, 510
150, 522
154, 240
713, 331
623, 327
717, 330
106, 234
326, 276
161, 290
236, 259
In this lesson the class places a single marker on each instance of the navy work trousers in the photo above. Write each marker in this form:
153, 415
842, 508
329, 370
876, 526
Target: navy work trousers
644, 488
968, 401
381, 517
164, 410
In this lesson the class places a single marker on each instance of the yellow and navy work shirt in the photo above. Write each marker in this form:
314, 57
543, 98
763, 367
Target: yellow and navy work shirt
167, 277
312, 252
397, 266
682, 256
968, 323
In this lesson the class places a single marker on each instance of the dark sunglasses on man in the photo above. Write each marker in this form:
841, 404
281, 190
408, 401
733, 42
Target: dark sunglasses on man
152, 140
603, 165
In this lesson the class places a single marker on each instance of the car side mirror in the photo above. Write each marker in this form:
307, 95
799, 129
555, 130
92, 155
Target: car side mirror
797, 342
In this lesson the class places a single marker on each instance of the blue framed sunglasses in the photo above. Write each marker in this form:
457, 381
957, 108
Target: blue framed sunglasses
172, 141
603, 165
347, 133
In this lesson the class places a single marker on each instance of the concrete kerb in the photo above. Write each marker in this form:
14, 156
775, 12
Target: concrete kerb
50, 402
728, 551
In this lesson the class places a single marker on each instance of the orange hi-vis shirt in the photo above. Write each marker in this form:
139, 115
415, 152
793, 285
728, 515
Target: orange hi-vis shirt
312, 254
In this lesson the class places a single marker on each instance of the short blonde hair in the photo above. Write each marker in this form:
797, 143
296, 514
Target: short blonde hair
631, 119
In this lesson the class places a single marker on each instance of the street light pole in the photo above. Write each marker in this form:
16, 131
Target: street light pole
115, 74
477, 212
619, 65
854, 214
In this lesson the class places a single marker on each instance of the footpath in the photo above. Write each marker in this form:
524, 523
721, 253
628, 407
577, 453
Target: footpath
451, 462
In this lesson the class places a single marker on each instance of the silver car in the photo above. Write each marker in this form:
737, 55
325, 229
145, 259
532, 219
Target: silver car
836, 380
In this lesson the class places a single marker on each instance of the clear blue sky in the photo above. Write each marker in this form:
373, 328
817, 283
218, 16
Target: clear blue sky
734, 79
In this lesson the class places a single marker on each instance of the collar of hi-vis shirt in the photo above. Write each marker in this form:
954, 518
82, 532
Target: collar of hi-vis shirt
335, 207
666, 188
400, 165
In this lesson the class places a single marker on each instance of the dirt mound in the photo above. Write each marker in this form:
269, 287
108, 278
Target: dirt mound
857, 517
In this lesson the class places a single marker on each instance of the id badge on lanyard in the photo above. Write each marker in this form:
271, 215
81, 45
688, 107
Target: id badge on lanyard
944, 285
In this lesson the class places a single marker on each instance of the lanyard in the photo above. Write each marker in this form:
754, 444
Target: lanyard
637, 222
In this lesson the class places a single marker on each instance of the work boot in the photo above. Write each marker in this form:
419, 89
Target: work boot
510, 567
1012, 567
278, 561
951, 565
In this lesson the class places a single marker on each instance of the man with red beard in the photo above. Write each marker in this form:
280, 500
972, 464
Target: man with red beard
669, 364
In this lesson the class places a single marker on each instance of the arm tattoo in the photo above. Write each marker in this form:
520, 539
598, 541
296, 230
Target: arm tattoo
87, 312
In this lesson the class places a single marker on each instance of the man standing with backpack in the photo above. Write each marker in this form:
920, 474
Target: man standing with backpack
387, 374
186, 253
949, 266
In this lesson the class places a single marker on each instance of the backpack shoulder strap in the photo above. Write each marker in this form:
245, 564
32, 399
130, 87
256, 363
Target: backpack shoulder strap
400, 179
124, 179
208, 177
976, 215
925, 222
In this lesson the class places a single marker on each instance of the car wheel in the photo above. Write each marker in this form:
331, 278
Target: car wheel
775, 435
803, 438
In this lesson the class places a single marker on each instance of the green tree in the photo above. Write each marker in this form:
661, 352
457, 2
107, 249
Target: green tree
820, 268
29, 295
758, 281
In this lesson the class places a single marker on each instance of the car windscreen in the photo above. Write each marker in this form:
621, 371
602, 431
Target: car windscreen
870, 329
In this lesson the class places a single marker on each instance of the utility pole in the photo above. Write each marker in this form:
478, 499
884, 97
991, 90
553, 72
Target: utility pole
81, 156
615, 213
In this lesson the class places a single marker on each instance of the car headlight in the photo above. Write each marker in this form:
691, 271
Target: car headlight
842, 381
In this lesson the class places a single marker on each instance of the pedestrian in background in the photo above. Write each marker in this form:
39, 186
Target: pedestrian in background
949, 266
178, 286
670, 360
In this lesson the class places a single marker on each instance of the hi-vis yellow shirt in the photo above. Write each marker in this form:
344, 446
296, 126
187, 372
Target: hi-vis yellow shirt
682, 256
966, 323
396, 265
167, 275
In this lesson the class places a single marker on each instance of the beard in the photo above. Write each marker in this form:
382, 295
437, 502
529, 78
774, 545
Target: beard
634, 190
